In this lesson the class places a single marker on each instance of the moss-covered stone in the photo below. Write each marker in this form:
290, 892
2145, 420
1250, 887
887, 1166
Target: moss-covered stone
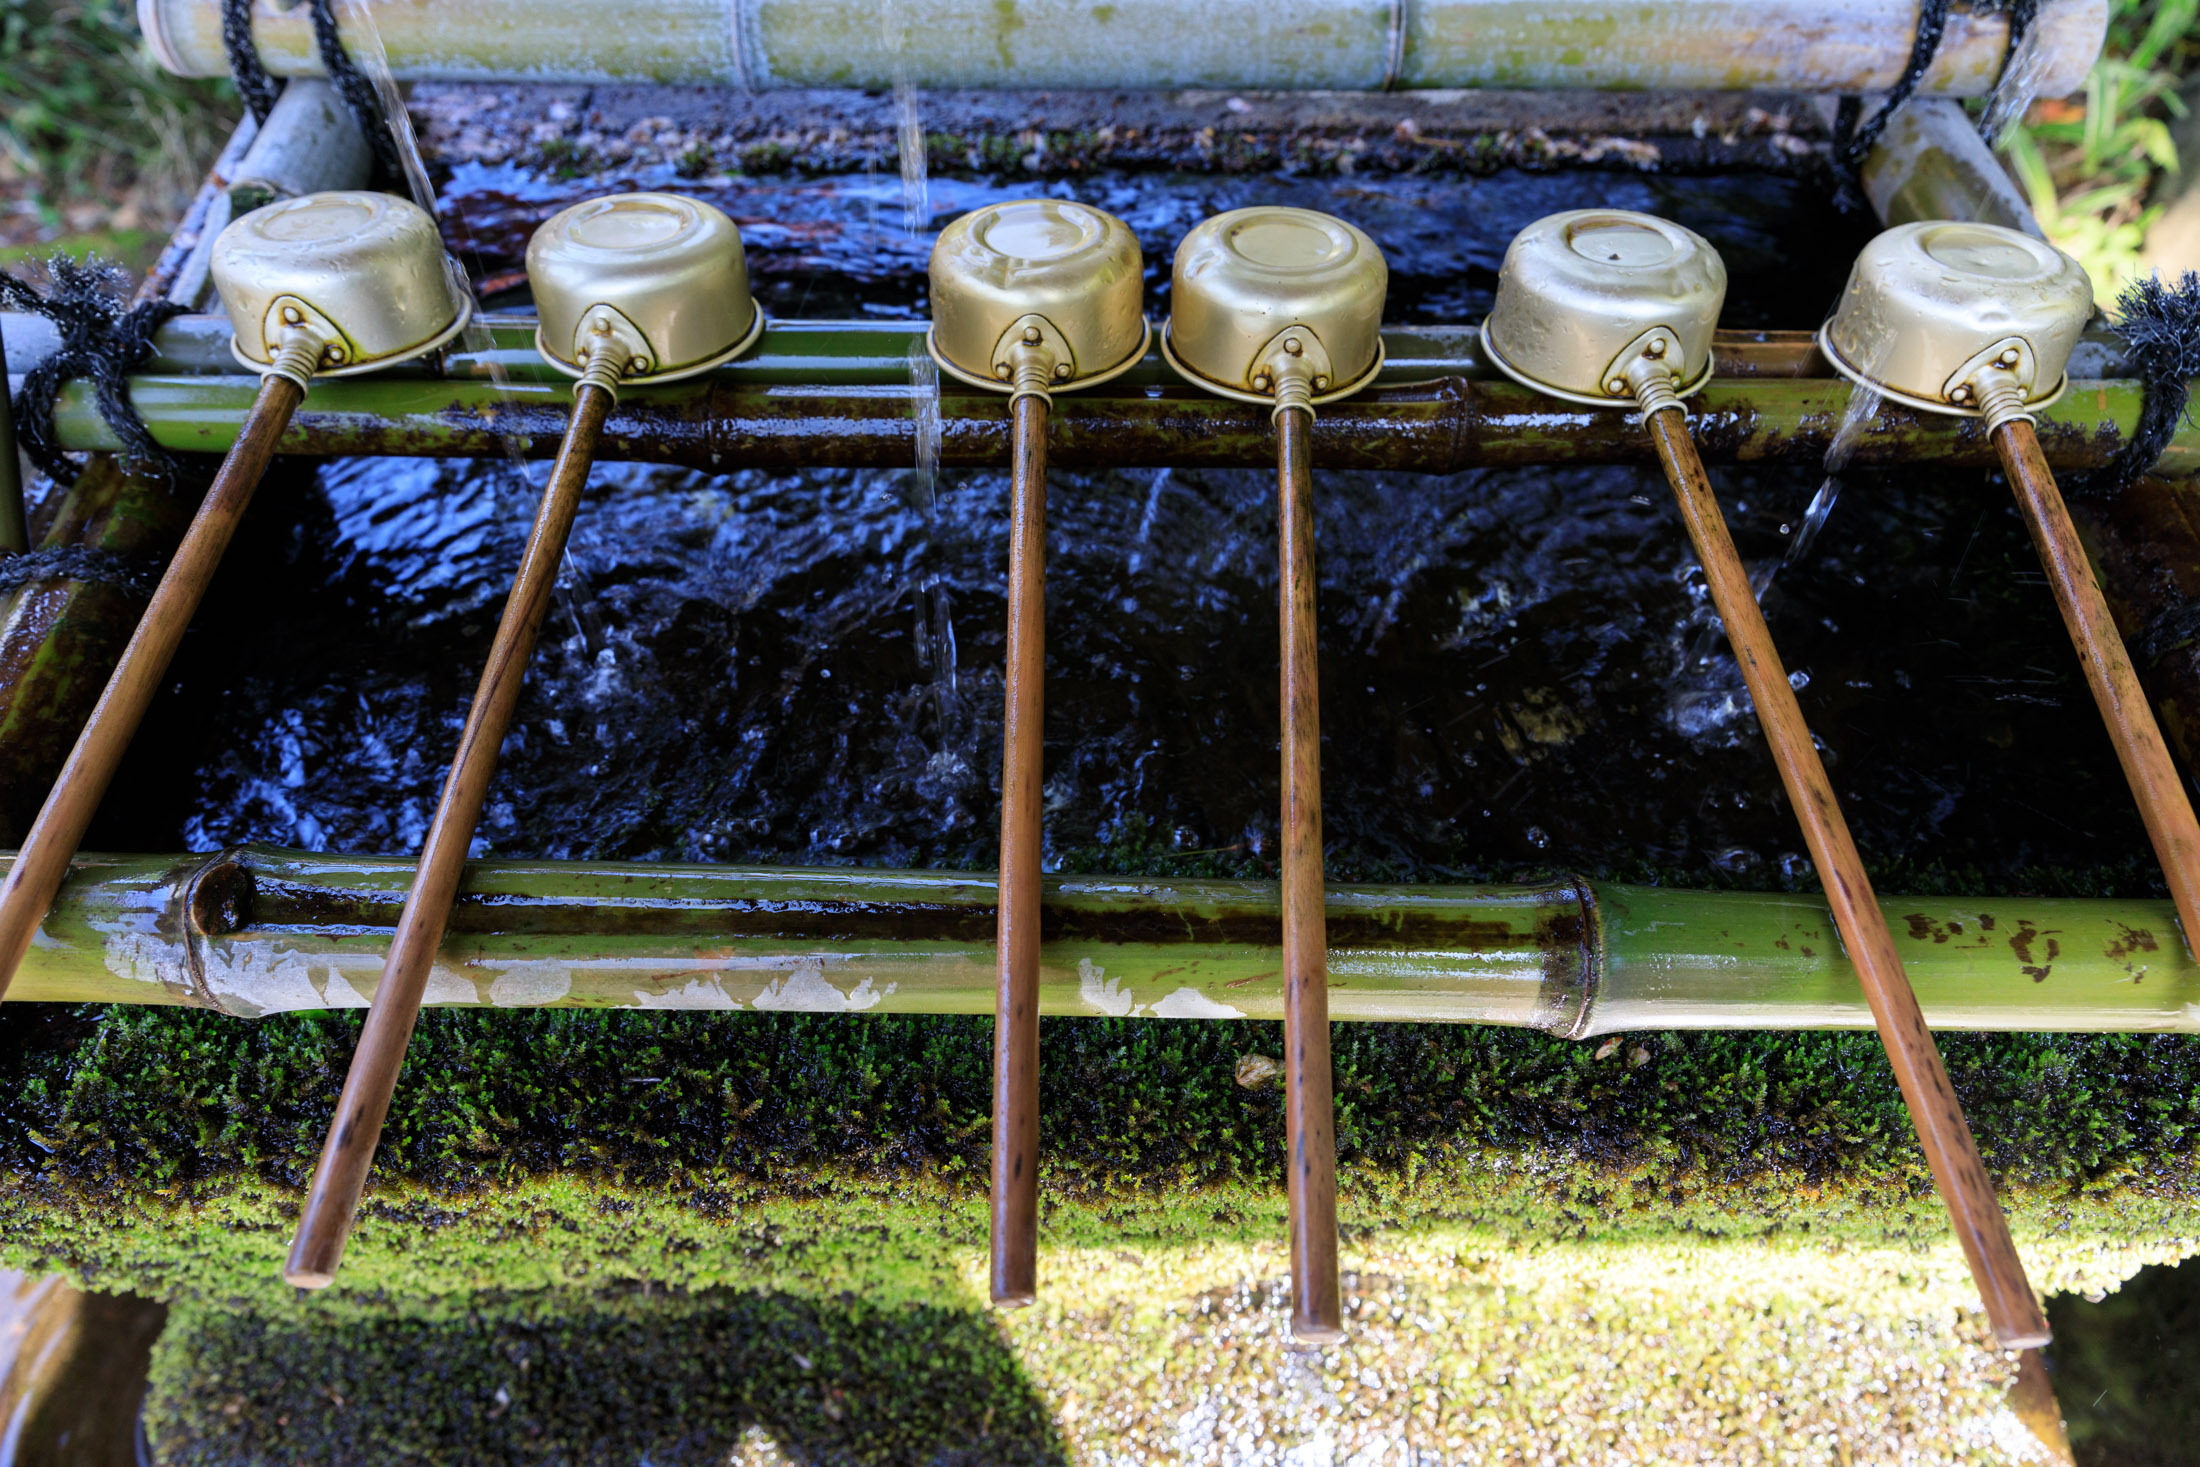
1732, 1232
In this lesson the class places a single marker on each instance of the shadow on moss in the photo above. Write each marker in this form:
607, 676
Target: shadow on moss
666, 1379
2127, 1370
147, 1100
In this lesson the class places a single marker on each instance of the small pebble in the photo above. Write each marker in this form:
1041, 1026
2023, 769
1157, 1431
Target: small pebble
1256, 1070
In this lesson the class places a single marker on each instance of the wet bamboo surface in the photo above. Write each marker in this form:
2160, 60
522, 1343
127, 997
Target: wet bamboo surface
1438, 425
837, 394
43, 860
1980, 1226
2164, 804
1023, 774
1317, 1307
259, 930
340, 1178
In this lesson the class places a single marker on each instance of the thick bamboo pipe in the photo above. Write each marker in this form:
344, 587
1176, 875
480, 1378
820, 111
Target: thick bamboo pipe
2164, 805
876, 354
341, 1176
1016, 1011
14, 531
1436, 425
1310, 1132
43, 861
1966, 1191
258, 930
1377, 45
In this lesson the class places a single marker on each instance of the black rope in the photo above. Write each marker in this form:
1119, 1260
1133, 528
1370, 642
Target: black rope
2160, 325
251, 79
101, 339
135, 574
360, 97
2021, 15
1852, 137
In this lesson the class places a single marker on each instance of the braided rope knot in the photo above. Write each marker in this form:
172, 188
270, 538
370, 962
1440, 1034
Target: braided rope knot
102, 340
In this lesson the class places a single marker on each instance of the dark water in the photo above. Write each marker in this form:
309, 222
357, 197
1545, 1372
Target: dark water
807, 667
840, 246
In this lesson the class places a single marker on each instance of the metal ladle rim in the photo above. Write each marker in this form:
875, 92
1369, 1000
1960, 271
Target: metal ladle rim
1268, 399
677, 374
1497, 360
1911, 400
356, 369
995, 384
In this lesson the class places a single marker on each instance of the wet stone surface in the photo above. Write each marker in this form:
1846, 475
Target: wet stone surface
1517, 669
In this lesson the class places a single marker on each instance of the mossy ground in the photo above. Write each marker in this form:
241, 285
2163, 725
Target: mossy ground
658, 1210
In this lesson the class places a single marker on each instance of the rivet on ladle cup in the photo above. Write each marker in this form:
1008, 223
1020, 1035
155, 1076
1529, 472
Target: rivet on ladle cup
630, 290
1284, 308
1029, 298
1610, 308
327, 284
1980, 321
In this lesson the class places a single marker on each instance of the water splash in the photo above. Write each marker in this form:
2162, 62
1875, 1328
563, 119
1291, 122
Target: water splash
518, 476
2017, 89
1709, 699
916, 187
935, 602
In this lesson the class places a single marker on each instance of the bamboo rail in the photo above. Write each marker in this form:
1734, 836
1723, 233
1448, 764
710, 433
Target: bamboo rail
876, 354
1374, 45
258, 930
1960, 1175
1441, 425
43, 862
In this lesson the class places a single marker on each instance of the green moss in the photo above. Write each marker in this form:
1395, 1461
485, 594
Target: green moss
142, 1099
609, 1378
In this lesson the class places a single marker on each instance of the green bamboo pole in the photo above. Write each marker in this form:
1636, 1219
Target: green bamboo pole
1785, 45
1440, 426
259, 930
877, 354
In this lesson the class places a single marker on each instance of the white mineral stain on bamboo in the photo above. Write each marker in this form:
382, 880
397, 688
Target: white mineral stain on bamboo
1190, 1003
696, 993
263, 983
1102, 994
530, 984
806, 991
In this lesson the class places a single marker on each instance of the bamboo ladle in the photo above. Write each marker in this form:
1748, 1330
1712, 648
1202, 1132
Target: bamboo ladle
1284, 308
1605, 307
323, 285
1029, 298
632, 289
1980, 321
